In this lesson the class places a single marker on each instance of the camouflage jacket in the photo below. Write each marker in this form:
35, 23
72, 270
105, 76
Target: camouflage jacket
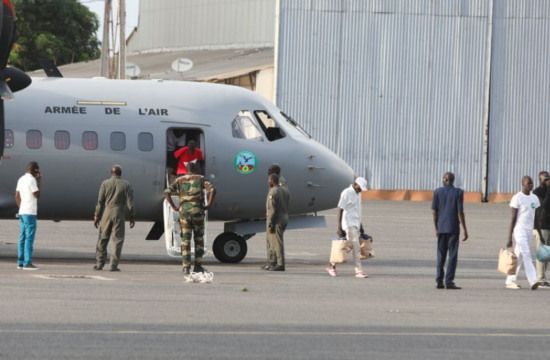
190, 188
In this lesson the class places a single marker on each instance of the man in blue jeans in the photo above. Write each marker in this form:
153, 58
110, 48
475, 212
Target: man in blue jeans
26, 196
448, 213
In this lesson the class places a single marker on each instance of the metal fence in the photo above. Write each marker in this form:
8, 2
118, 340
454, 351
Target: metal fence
400, 88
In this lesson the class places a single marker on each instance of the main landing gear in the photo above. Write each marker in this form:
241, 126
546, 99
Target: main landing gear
229, 247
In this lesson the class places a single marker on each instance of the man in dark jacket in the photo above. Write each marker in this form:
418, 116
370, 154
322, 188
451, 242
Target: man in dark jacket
543, 214
448, 214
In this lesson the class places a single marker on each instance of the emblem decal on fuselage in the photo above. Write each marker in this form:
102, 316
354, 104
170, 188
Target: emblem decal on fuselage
245, 162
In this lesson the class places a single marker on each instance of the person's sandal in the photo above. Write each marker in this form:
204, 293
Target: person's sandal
332, 271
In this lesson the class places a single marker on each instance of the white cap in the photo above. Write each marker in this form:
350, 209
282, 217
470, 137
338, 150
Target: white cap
362, 183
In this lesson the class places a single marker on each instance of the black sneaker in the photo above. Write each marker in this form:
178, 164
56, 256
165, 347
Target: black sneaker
98, 267
452, 286
114, 269
199, 268
30, 267
440, 286
186, 270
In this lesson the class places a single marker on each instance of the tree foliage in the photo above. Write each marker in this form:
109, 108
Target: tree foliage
61, 30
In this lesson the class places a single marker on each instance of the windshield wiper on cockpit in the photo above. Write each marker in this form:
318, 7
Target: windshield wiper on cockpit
295, 124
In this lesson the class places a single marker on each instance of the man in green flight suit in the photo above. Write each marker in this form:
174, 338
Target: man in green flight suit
274, 169
115, 195
190, 188
277, 220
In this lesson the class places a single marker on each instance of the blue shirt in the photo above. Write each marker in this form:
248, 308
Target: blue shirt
448, 201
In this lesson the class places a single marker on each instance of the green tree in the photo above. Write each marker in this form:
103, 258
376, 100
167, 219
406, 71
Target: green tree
61, 30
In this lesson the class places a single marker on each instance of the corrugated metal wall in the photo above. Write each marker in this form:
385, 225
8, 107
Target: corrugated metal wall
395, 87
520, 94
203, 24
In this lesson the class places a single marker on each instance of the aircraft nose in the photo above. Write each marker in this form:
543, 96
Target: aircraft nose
329, 175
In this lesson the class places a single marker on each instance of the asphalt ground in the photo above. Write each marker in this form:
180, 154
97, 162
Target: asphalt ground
147, 312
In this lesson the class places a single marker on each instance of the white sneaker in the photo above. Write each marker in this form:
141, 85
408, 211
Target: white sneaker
361, 275
513, 286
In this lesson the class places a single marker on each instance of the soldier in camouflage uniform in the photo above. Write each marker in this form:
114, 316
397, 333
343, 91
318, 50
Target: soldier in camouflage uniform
274, 169
277, 220
190, 188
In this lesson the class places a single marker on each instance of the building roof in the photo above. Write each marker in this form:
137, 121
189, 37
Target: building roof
208, 65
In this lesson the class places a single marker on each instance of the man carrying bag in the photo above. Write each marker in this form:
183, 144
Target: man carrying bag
349, 224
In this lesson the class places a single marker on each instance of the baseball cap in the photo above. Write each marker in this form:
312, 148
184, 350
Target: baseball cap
362, 183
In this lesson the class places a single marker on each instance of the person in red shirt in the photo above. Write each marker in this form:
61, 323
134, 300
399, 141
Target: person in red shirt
186, 155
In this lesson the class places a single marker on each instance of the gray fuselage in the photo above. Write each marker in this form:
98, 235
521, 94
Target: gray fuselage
72, 176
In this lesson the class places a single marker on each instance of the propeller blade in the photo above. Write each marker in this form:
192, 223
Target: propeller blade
7, 36
2, 139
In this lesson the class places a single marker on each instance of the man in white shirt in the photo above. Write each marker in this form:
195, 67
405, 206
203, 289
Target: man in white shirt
349, 223
523, 206
26, 196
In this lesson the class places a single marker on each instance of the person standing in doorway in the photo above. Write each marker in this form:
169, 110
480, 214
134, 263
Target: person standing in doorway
275, 169
188, 154
175, 140
448, 214
350, 224
190, 189
524, 205
115, 195
26, 197
543, 214
277, 221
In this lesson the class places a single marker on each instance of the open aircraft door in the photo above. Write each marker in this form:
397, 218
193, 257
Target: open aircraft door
172, 231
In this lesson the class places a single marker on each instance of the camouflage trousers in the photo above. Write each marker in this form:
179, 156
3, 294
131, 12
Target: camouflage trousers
192, 226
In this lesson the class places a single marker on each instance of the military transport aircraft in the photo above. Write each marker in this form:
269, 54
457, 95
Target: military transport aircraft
76, 129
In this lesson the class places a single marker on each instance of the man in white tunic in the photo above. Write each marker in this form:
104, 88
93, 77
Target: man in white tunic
523, 206
349, 223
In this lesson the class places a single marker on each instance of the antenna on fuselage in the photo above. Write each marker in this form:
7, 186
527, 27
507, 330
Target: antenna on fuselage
50, 68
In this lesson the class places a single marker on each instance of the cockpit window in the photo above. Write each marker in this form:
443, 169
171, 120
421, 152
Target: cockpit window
243, 127
293, 122
269, 126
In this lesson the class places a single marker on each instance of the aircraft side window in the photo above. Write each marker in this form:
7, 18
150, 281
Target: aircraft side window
269, 125
243, 127
62, 140
118, 141
8, 139
145, 141
89, 140
34, 139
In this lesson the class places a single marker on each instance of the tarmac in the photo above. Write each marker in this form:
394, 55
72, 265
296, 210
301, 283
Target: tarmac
66, 310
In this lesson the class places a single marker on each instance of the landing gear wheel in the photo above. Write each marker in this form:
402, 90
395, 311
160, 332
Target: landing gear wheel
229, 248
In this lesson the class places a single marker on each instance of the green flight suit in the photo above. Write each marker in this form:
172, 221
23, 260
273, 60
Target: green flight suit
271, 259
190, 188
115, 195
277, 219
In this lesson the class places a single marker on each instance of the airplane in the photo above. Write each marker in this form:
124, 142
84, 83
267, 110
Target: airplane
76, 129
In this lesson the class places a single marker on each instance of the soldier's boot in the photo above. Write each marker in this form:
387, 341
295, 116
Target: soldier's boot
198, 268
268, 266
186, 270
